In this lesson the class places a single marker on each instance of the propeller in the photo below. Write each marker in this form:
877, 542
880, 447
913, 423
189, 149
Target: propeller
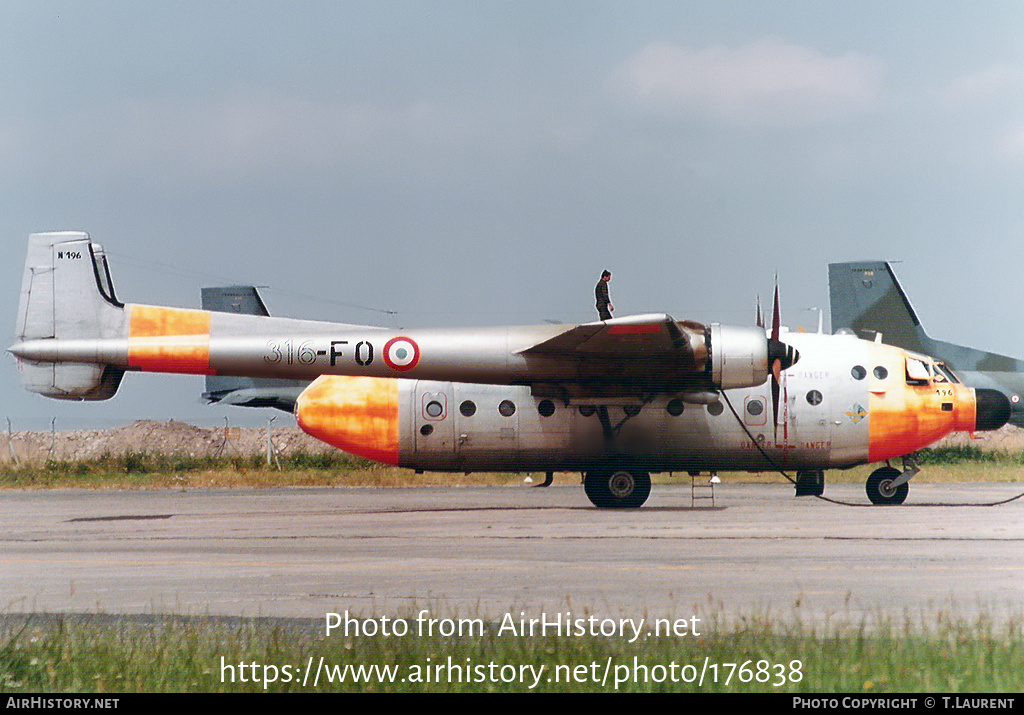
780, 356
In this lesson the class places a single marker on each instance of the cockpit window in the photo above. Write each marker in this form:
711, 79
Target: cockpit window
918, 372
943, 372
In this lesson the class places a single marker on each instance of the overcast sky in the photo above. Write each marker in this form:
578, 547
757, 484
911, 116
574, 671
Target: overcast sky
477, 163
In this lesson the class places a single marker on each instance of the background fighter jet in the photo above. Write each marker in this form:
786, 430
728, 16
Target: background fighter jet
247, 391
615, 399
867, 299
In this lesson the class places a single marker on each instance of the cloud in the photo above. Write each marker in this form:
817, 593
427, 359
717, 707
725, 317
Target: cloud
234, 134
994, 84
987, 108
245, 133
765, 83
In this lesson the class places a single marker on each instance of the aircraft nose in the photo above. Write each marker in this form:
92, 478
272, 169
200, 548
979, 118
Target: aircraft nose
992, 409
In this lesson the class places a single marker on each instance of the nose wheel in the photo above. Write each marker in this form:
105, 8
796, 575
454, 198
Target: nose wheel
617, 487
883, 486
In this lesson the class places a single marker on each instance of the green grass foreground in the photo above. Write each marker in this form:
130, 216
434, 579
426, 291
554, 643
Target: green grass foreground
210, 655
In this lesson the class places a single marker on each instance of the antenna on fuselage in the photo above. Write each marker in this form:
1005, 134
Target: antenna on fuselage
821, 314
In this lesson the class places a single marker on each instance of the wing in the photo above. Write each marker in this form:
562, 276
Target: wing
632, 355
635, 336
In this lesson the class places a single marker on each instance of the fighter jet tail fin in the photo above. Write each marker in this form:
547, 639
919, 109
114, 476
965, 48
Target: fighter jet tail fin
245, 300
66, 293
247, 391
867, 299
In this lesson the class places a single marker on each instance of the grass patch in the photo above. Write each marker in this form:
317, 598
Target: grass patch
216, 655
136, 469
961, 453
149, 470
146, 470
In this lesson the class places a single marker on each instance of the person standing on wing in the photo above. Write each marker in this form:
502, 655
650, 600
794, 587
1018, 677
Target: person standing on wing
604, 304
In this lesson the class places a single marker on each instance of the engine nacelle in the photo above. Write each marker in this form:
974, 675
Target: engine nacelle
739, 356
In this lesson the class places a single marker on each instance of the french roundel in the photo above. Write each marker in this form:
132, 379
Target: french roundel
401, 353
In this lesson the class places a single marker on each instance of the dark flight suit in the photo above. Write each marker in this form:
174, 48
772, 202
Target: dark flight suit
603, 300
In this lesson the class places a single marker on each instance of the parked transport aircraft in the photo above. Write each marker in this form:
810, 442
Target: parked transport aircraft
615, 399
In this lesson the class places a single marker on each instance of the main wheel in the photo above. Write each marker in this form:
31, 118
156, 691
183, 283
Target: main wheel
880, 489
617, 487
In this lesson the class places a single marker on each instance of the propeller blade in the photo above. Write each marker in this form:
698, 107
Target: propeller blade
776, 318
777, 352
776, 370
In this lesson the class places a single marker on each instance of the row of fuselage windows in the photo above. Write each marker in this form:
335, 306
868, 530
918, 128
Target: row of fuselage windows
675, 406
918, 372
859, 372
546, 408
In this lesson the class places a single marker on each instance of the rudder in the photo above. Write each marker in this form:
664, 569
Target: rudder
66, 293
866, 298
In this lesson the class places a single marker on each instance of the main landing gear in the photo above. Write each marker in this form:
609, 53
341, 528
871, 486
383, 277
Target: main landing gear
617, 484
888, 485
617, 487
810, 483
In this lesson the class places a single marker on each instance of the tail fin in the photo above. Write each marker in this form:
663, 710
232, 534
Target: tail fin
247, 391
245, 300
67, 293
867, 299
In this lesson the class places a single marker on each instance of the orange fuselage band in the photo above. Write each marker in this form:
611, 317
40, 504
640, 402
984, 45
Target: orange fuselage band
169, 340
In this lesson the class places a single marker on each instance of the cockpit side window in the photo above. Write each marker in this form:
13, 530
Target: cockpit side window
944, 374
918, 372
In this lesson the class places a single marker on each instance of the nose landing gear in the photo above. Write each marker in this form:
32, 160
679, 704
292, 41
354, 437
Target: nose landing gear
888, 485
